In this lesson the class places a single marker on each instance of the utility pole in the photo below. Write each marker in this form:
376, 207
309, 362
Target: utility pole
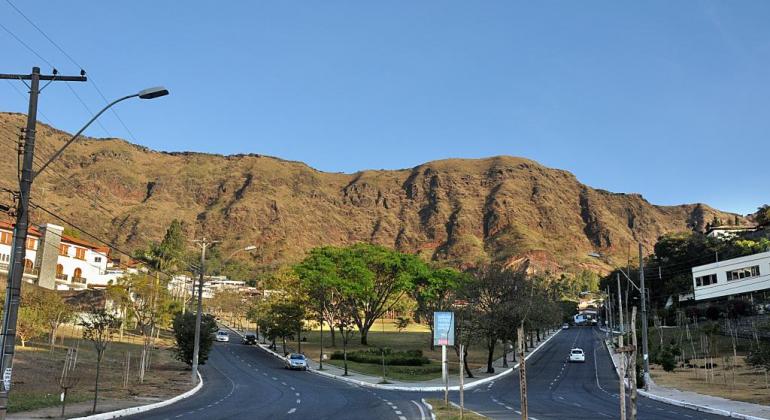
204, 243
633, 364
522, 373
645, 354
622, 364
16, 267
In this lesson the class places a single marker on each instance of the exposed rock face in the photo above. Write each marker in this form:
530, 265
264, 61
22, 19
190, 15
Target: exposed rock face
458, 210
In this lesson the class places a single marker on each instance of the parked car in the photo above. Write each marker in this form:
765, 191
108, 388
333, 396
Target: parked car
250, 339
565, 326
223, 336
296, 361
577, 355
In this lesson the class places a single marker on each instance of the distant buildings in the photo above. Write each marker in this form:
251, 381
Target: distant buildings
729, 232
182, 285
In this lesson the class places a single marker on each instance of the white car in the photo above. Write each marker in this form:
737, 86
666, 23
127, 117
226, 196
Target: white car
565, 326
223, 336
577, 355
296, 361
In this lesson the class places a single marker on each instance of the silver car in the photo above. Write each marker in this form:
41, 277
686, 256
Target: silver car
296, 361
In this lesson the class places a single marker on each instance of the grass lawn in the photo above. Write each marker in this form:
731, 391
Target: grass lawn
450, 412
37, 370
385, 334
748, 384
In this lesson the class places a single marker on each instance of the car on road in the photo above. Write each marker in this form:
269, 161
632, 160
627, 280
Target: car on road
577, 355
565, 326
250, 339
223, 336
296, 361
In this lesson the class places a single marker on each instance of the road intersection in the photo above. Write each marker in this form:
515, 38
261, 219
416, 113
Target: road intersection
245, 381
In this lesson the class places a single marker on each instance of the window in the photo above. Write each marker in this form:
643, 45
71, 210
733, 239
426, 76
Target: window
743, 273
706, 280
64, 250
98, 259
29, 266
5, 238
5, 258
80, 253
77, 274
31, 243
59, 269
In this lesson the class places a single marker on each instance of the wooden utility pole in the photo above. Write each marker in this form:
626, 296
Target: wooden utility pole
522, 373
462, 382
633, 363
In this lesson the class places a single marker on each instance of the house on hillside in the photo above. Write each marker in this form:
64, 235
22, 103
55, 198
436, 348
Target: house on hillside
728, 232
54, 260
743, 277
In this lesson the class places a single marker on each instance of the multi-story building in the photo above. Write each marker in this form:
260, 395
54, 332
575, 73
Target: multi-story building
182, 285
738, 276
55, 260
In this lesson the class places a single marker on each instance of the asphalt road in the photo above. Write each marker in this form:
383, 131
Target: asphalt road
561, 390
245, 382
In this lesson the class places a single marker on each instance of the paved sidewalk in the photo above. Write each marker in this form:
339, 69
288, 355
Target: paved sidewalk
480, 375
700, 402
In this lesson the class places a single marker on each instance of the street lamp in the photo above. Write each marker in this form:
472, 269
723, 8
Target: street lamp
641, 289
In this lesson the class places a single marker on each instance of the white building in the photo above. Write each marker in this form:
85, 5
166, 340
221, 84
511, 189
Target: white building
732, 277
182, 285
55, 260
728, 232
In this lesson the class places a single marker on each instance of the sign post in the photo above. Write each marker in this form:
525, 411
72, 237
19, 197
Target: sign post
444, 335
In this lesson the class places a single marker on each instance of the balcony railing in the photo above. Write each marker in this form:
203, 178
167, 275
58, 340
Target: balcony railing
63, 277
81, 280
32, 270
4, 266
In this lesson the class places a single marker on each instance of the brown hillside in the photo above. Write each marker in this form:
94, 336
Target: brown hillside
459, 210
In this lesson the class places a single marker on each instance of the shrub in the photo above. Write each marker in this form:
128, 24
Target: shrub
374, 356
712, 313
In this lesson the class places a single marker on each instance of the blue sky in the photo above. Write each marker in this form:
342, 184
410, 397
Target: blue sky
667, 99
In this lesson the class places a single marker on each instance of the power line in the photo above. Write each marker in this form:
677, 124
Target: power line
38, 55
73, 61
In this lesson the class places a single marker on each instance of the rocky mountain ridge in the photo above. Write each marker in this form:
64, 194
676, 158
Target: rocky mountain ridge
460, 211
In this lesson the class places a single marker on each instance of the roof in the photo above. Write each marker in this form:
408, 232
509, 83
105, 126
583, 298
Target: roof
34, 231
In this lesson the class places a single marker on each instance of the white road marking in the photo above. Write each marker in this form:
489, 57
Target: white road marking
508, 408
398, 412
299, 401
401, 418
291, 411
419, 406
283, 383
296, 393
292, 388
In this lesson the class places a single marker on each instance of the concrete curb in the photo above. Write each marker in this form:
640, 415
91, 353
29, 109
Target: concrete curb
428, 388
413, 388
144, 408
685, 404
430, 408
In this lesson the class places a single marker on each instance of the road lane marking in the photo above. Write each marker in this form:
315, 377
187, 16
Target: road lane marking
291, 411
419, 406
296, 393
299, 401
283, 383
508, 408
397, 412
292, 388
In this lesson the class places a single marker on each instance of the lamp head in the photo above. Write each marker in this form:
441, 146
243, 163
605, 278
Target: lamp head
152, 93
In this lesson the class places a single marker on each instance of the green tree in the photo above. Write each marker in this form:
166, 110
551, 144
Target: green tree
30, 323
53, 311
762, 216
98, 327
184, 334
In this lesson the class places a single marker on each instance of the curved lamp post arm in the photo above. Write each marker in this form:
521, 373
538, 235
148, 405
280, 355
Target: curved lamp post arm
76, 135
150, 93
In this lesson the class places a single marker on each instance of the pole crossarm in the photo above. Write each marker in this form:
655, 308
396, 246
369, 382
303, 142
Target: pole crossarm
52, 77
